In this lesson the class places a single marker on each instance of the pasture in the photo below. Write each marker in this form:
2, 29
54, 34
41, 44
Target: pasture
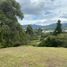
28, 56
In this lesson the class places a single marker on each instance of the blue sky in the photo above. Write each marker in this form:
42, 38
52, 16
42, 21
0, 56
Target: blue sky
43, 12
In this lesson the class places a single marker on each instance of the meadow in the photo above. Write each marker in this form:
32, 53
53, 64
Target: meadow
29, 56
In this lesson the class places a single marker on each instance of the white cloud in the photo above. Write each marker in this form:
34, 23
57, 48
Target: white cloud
43, 11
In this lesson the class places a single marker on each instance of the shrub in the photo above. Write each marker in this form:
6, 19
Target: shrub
51, 41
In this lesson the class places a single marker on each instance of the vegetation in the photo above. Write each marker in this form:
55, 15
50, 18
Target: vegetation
11, 32
29, 30
54, 41
39, 31
30, 33
33, 57
58, 29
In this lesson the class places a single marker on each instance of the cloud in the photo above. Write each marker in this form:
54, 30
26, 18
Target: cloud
37, 11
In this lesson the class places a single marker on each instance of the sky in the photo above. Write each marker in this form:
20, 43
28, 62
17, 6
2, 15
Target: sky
43, 12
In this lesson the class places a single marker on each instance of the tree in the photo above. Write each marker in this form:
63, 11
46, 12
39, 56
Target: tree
11, 32
30, 33
11, 9
58, 29
29, 30
39, 31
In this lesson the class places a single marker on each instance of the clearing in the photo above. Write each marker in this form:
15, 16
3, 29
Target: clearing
28, 56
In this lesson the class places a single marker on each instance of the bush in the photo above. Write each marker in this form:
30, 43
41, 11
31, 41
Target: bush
44, 35
51, 41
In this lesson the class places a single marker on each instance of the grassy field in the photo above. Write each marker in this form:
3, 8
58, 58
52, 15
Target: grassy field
33, 57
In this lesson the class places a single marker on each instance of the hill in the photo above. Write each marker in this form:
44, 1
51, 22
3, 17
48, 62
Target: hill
47, 27
53, 26
33, 26
33, 57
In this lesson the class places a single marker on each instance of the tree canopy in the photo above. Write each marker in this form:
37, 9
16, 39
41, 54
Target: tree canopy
11, 32
58, 29
29, 30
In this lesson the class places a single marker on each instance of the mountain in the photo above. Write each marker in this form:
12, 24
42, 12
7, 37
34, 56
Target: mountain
47, 27
33, 26
64, 26
50, 27
53, 26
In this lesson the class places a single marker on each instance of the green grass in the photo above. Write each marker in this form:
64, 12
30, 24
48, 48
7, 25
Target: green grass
33, 57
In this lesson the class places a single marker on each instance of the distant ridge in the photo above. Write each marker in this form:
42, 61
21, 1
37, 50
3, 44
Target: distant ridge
47, 27
53, 26
34, 26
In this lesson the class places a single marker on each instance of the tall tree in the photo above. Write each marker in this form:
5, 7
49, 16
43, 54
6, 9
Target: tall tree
58, 29
39, 31
11, 32
29, 30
